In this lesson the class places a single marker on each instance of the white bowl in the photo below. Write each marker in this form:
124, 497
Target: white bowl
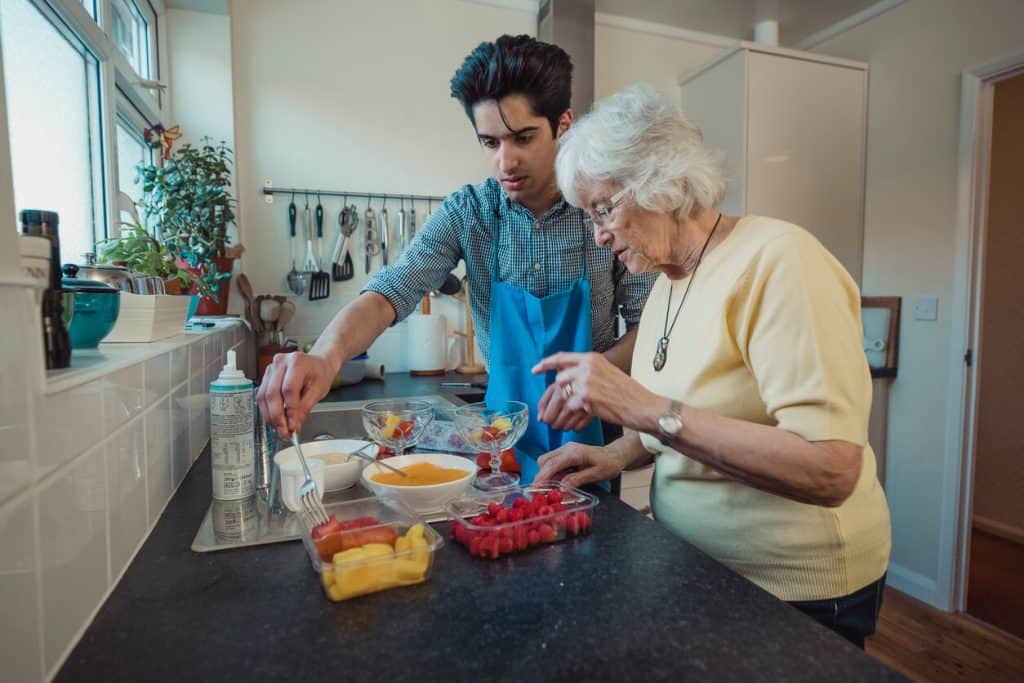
337, 476
427, 499
292, 477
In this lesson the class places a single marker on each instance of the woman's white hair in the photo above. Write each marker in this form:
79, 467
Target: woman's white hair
638, 138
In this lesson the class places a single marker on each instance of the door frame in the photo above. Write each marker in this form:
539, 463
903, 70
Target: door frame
977, 89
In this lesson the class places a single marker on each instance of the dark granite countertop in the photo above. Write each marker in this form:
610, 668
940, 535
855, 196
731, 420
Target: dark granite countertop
629, 602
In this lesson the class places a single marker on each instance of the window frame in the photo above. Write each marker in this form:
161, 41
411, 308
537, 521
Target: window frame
119, 90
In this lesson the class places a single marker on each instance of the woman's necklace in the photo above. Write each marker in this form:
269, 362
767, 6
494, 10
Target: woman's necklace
661, 353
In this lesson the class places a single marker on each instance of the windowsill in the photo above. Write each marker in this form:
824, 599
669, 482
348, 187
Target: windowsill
90, 364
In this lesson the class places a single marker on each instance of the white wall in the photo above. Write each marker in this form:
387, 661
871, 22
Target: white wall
201, 101
916, 53
627, 52
351, 95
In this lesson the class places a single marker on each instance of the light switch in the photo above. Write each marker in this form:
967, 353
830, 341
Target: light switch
926, 309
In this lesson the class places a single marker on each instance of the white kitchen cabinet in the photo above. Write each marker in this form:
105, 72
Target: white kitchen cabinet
792, 126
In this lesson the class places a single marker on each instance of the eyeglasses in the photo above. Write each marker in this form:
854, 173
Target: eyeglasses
603, 212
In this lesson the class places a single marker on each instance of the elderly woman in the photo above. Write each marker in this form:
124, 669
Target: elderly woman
750, 389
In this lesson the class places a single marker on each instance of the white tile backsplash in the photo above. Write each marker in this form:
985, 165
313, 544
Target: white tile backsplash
196, 362
21, 648
123, 396
198, 414
126, 491
158, 458
85, 471
16, 465
66, 424
158, 378
179, 366
181, 458
73, 529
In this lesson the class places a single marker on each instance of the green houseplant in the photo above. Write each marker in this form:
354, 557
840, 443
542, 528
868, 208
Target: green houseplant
144, 253
188, 200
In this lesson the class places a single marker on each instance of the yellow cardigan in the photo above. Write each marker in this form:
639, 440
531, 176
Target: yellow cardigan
770, 333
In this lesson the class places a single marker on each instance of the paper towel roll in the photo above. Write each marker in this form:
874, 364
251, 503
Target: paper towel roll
428, 344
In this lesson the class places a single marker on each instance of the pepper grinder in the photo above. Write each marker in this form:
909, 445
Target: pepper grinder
56, 341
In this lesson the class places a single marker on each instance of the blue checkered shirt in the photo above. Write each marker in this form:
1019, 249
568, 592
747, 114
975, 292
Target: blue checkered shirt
542, 256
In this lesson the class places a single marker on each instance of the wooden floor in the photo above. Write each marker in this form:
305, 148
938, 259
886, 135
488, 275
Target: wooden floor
926, 644
995, 589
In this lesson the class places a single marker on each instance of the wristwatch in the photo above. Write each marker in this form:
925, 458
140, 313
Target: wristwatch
670, 423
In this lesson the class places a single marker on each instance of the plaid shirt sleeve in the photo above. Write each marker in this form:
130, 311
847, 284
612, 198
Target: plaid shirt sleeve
631, 293
424, 264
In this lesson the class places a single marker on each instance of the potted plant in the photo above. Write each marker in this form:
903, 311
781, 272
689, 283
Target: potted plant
189, 202
143, 253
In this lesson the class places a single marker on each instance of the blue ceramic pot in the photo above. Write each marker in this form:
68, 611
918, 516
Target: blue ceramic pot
96, 306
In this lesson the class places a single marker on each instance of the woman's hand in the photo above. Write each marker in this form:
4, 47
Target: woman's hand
590, 383
592, 463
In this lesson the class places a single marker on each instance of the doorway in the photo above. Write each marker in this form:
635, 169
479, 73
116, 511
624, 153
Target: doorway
996, 555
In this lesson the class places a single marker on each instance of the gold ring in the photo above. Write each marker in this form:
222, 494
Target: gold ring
567, 390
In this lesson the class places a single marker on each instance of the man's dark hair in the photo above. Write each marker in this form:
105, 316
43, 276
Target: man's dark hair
516, 65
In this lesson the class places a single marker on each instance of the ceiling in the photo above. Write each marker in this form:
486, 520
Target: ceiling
798, 19
730, 18
208, 6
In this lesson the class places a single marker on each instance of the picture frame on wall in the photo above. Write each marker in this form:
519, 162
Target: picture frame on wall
880, 318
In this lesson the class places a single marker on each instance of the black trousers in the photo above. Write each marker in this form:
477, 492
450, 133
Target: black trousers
852, 616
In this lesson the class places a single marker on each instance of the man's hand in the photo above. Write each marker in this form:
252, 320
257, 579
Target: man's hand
292, 385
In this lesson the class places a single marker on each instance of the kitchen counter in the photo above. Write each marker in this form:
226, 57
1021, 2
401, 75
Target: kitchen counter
628, 602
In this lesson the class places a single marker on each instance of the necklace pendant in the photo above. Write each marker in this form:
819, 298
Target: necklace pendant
661, 354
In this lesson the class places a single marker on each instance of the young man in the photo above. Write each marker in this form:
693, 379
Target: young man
539, 282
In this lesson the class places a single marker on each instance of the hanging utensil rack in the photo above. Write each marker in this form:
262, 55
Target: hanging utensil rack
352, 195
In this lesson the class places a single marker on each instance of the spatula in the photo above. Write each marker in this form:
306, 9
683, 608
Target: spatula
319, 279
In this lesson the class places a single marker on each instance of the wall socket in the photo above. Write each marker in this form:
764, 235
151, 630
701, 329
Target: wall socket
926, 309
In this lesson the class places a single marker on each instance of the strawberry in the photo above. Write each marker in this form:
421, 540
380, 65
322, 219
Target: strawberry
506, 545
493, 507
539, 499
547, 533
572, 525
522, 538
502, 516
474, 546
544, 510
584, 520
554, 496
520, 502
515, 514
533, 537
324, 528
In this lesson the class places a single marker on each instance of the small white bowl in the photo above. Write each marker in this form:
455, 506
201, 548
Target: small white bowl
427, 499
337, 476
292, 477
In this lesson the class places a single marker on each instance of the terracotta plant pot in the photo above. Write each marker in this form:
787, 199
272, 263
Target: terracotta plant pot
172, 286
208, 306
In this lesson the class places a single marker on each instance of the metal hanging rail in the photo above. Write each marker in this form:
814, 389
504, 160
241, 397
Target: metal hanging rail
301, 192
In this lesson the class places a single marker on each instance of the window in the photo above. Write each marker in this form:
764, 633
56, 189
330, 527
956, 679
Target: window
130, 32
132, 150
53, 112
90, 7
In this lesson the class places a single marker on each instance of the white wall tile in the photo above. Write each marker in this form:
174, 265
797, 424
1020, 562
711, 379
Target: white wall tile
179, 366
158, 378
199, 415
123, 396
126, 491
181, 459
73, 522
158, 458
67, 424
21, 647
214, 347
19, 379
196, 361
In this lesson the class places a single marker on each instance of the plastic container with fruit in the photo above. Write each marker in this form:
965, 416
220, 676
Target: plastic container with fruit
538, 515
370, 545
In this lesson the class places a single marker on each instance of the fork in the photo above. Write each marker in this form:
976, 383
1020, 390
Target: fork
308, 494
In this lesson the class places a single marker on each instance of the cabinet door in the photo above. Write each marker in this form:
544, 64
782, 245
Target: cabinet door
805, 149
715, 101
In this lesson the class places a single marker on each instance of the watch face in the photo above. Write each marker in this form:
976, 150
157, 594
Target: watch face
670, 424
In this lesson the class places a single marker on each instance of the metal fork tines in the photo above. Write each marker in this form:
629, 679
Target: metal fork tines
308, 494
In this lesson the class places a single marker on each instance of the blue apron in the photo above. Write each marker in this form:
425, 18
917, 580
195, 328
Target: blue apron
524, 329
